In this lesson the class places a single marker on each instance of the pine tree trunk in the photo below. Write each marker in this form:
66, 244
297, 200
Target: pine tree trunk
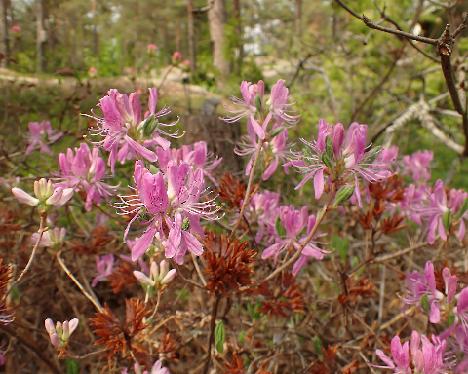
191, 36
5, 41
239, 32
217, 19
41, 36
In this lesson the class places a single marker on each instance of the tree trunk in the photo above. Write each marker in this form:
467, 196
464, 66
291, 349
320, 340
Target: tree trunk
298, 18
5, 42
191, 36
217, 19
95, 28
240, 34
41, 36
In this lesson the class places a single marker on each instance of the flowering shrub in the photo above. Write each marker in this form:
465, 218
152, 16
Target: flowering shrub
172, 263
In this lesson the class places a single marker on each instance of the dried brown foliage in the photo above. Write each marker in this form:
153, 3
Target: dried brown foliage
283, 299
98, 240
122, 277
6, 315
362, 288
383, 194
117, 336
231, 190
228, 264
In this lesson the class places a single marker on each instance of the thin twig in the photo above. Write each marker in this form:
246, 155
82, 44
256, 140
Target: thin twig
212, 331
42, 229
248, 190
94, 301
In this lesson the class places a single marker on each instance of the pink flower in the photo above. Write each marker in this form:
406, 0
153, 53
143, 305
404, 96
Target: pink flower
418, 164
337, 154
400, 360
421, 290
15, 29
157, 368
104, 267
46, 193
421, 354
40, 135
151, 48
264, 209
196, 155
50, 238
92, 71
60, 333
175, 201
176, 57
83, 170
159, 276
443, 212
294, 221
461, 310
128, 134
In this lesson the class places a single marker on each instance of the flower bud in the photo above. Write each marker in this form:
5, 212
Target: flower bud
343, 194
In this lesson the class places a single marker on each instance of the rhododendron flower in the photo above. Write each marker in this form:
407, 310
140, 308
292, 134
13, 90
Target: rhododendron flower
275, 150
421, 354
158, 276
50, 238
444, 211
157, 368
175, 202
294, 221
339, 155
176, 57
60, 333
421, 290
265, 210
400, 360
461, 311
40, 135
253, 106
151, 48
128, 134
83, 170
46, 194
196, 155
104, 268
418, 164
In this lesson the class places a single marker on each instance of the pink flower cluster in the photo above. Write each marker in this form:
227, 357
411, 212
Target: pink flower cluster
173, 202
268, 118
83, 170
40, 135
129, 134
447, 352
340, 156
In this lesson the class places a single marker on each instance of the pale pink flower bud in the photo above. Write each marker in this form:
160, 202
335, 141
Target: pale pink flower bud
24, 197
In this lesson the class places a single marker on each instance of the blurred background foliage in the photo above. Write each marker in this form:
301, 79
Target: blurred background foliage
60, 56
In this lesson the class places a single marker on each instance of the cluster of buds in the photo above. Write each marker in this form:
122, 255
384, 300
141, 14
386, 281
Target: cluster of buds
159, 277
59, 333
46, 193
50, 238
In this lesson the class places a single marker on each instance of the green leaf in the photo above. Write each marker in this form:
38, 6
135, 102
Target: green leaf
318, 345
72, 366
343, 194
279, 228
219, 336
425, 303
340, 245
241, 337
446, 220
327, 160
329, 148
